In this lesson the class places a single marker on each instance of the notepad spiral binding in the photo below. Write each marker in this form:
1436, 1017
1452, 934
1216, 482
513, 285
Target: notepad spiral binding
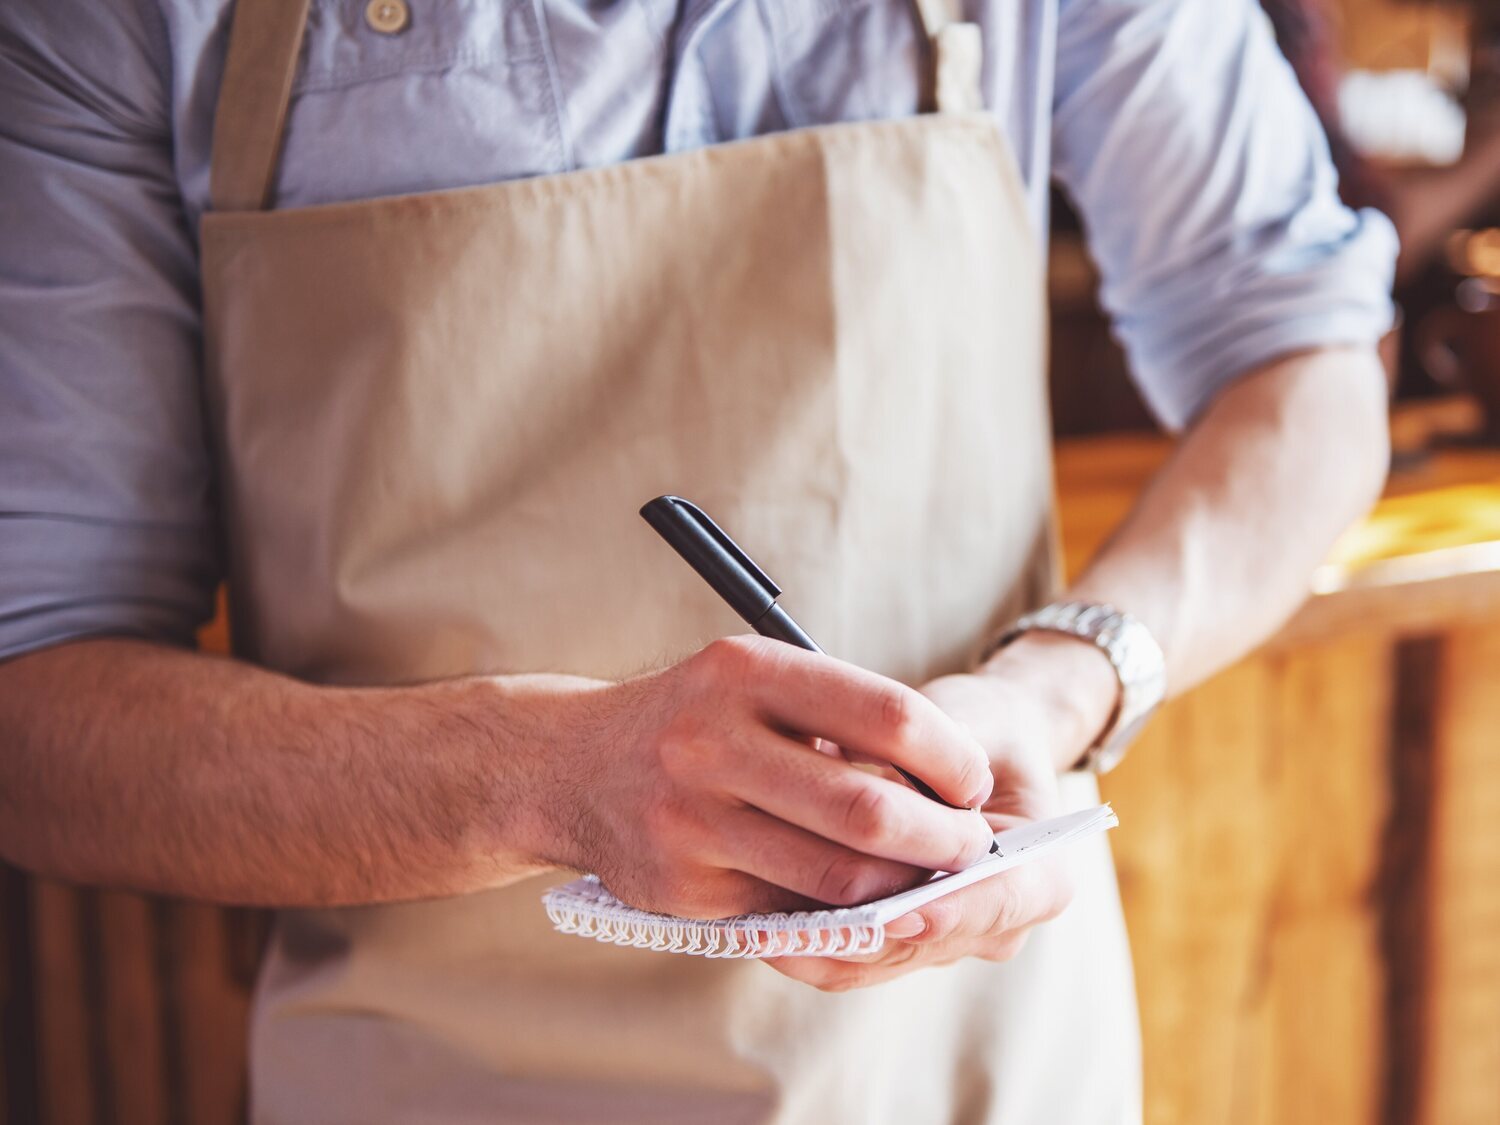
585, 908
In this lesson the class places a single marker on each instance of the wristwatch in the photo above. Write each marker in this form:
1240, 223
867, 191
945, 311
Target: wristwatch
1133, 653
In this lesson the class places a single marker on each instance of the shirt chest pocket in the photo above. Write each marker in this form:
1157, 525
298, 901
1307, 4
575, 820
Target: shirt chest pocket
397, 96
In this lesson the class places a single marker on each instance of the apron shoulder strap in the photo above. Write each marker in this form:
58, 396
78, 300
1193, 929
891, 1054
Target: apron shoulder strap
957, 57
265, 41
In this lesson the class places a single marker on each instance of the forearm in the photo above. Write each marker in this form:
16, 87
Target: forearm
130, 764
1217, 552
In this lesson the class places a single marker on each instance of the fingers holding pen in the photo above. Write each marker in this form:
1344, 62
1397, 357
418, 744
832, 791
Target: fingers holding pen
828, 798
863, 712
873, 815
824, 873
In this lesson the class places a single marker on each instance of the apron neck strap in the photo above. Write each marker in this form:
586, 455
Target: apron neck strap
956, 57
265, 41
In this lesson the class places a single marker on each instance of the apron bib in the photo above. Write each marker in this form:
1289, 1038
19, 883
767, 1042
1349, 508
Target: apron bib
436, 416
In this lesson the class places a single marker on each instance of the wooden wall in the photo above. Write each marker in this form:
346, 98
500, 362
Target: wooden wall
1250, 851
1460, 1074
123, 1009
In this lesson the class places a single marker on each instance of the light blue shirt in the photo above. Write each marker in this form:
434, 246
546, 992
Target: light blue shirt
1176, 126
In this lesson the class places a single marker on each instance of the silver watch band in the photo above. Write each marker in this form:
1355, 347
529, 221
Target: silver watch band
1137, 659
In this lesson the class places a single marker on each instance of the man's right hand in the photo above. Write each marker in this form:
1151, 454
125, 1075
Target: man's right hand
697, 790
703, 789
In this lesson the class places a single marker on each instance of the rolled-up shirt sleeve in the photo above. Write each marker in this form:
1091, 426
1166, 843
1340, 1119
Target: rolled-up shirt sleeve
1204, 181
106, 518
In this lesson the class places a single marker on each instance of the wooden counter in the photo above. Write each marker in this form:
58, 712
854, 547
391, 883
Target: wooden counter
1309, 849
1309, 854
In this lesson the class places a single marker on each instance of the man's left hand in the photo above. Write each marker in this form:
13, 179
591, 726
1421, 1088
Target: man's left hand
1035, 708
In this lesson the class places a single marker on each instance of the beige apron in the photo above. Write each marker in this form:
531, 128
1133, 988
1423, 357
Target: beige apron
436, 416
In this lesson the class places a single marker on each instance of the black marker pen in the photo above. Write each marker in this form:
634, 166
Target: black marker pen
749, 591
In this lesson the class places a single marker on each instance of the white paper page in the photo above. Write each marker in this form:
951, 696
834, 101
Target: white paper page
1017, 846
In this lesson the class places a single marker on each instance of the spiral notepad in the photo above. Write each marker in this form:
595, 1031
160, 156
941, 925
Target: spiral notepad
585, 908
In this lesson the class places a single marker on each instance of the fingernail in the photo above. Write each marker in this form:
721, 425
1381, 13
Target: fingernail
906, 926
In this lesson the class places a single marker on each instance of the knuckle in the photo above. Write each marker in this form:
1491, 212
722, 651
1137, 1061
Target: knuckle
842, 879
975, 844
729, 660
869, 815
943, 918
1004, 948
1010, 910
845, 978
712, 664
1031, 898
975, 772
898, 712
902, 956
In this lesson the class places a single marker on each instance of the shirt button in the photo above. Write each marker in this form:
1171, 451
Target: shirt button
387, 16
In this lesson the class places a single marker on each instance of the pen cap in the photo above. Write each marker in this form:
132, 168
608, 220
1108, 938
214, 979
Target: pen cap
716, 557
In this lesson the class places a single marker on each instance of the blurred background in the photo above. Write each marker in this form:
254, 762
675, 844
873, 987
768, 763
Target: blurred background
1311, 869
